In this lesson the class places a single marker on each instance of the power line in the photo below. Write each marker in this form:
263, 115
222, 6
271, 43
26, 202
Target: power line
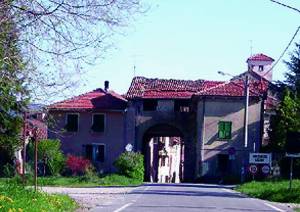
286, 48
285, 5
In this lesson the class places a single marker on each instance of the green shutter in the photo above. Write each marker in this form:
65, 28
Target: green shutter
224, 131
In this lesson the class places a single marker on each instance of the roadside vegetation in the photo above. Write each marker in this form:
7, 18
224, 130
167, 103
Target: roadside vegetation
76, 181
276, 191
14, 197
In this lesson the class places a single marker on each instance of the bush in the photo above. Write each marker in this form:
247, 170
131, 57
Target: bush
50, 153
78, 165
9, 170
131, 164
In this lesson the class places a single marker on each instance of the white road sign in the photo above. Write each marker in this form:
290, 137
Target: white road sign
265, 169
260, 158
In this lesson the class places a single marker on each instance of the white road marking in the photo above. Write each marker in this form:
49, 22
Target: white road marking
123, 207
275, 208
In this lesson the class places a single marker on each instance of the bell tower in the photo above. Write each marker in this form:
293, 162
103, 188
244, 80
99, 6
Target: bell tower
261, 64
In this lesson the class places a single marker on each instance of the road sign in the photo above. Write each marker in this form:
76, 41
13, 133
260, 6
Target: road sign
265, 169
253, 169
129, 147
292, 155
260, 158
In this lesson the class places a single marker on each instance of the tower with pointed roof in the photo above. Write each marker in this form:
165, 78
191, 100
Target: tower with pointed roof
261, 64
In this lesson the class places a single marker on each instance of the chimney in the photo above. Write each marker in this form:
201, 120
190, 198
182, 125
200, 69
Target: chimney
106, 85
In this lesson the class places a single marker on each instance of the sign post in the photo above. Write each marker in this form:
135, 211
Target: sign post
292, 148
291, 173
253, 170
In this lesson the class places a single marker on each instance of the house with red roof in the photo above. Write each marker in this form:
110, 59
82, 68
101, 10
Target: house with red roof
186, 129
91, 125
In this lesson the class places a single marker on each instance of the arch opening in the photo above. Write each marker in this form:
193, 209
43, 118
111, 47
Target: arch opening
163, 148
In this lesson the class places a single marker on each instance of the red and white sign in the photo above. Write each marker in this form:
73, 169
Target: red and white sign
265, 169
253, 169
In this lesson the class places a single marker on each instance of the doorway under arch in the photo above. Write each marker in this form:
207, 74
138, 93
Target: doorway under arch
163, 148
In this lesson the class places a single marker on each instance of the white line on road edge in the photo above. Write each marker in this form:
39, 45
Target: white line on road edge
275, 208
123, 207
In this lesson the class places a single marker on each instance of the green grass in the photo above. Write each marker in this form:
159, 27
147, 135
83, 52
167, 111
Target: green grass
108, 180
14, 197
297, 209
277, 191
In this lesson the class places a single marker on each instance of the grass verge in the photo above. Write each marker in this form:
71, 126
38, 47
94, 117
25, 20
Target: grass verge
277, 191
14, 197
83, 181
109, 180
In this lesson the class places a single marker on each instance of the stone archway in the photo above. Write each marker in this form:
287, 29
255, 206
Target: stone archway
163, 148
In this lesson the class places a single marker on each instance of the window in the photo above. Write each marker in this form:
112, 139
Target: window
224, 130
260, 68
72, 122
150, 105
98, 123
182, 106
95, 152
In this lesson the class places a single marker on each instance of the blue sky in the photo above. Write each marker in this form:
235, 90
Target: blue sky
194, 40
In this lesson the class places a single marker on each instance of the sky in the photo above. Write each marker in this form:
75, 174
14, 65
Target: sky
195, 39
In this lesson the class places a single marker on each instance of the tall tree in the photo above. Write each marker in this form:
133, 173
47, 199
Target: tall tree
293, 75
58, 37
13, 92
287, 116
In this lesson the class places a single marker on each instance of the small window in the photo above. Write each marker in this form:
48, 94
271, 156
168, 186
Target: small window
224, 131
260, 68
98, 123
72, 122
182, 106
150, 105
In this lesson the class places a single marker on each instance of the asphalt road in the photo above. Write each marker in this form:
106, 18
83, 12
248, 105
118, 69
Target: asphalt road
187, 197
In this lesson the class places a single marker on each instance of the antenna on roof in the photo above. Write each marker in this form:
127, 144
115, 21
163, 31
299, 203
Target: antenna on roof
134, 70
251, 47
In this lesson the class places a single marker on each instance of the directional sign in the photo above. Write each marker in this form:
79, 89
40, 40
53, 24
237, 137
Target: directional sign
253, 169
260, 158
265, 169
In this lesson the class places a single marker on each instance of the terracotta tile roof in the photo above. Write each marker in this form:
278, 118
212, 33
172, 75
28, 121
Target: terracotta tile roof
232, 88
142, 87
96, 99
260, 57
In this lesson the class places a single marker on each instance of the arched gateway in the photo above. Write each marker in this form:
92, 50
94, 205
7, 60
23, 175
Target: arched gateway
163, 148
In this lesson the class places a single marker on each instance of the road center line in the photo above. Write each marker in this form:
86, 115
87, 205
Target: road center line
272, 206
123, 207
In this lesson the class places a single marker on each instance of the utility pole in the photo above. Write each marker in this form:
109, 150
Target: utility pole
246, 115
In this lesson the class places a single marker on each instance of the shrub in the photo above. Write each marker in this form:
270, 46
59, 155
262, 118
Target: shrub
8, 170
78, 165
50, 153
131, 164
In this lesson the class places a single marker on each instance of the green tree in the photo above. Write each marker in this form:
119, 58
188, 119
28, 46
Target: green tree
293, 75
13, 93
50, 153
287, 119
